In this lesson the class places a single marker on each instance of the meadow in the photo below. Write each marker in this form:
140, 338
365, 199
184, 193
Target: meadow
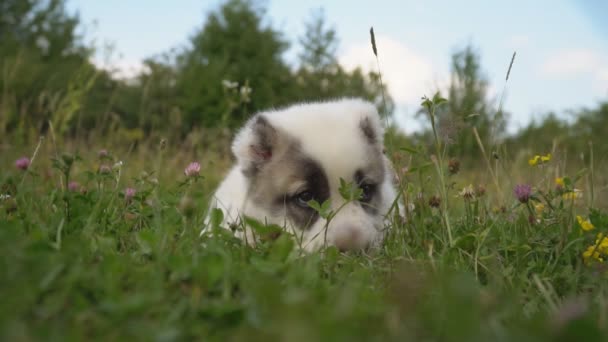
104, 186
100, 240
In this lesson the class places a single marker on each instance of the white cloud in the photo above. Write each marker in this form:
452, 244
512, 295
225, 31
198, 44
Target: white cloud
120, 68
407, 73
579, 63
574, 62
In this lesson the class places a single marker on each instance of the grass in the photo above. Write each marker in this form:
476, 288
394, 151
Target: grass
91, 263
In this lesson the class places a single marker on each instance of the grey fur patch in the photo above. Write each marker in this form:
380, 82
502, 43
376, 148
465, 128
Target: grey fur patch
373, 174
271, 185
368, 130
266, 140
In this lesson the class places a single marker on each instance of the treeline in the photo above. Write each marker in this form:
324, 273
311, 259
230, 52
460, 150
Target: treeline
230, 68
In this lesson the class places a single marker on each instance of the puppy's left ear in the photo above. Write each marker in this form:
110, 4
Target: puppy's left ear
256, 144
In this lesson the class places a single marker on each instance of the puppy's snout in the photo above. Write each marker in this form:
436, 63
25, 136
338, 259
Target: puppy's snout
350, 238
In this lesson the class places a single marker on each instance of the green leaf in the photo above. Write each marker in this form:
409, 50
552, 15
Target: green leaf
579, 175
281, 248
266, 266
144, 240
409, 149
349, 191
321, 209
598, 219
265, 232
438, 99
216, 218
315, 205
420, 168
427, 103
568, 183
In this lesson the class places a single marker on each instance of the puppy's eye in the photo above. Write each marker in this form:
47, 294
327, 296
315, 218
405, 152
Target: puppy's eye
303, 198
368, 192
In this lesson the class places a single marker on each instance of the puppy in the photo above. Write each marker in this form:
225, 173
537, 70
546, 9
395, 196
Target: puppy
286, 158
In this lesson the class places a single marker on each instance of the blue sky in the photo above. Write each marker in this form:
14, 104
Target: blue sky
562, 46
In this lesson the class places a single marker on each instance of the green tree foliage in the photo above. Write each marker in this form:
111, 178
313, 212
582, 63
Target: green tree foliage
590, 126
541, 135
319, 45
46, 77
42, 62
232, 68
234, 45
320, 76
468, 107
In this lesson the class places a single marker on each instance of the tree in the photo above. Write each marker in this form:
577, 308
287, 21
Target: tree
468, 106
320, 76
234, 46
42, 60
570, 139
319, 45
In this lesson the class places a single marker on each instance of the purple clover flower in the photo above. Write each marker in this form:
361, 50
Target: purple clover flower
73, 186
523, 192
193, 169
22, 163
130, 193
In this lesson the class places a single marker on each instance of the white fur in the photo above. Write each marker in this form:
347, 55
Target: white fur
330, 133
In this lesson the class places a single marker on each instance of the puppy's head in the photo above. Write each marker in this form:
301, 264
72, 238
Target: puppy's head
298, 154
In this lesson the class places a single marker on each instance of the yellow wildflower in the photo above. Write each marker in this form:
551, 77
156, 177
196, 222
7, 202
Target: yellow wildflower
585, 224
559, 181
602, 243
538, 159
546, 158
539, 207
572, 195
534, 161
592, 253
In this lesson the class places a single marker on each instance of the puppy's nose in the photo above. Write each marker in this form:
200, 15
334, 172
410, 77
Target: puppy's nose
350, 239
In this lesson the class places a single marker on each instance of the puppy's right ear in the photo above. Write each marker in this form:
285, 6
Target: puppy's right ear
255, 144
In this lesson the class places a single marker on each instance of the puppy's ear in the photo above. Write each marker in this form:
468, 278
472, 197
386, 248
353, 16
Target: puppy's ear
372, 129
256, 144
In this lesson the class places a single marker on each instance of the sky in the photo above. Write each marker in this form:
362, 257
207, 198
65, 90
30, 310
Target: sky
562, 45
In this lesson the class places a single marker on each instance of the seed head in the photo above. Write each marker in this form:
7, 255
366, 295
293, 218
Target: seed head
104, 169
453, 166
373, 37
68, 159
467, 192
434, 202
480, 191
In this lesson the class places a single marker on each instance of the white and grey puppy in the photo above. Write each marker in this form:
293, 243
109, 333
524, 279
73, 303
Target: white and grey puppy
288, 157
